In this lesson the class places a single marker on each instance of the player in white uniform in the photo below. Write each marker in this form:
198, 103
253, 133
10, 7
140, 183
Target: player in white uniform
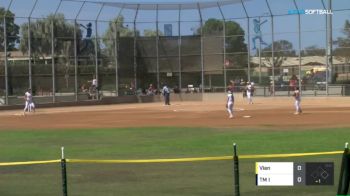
250, 90
32, 106
29, 105
297, 97
229, 103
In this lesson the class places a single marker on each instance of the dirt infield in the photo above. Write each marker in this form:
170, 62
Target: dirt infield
265, 113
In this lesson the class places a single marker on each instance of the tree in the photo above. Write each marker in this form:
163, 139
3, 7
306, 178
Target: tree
343, 43
41, 40
343, 49
313, 51
282, 50
152, 33
213, 28
41, 37
115, 26
12, 30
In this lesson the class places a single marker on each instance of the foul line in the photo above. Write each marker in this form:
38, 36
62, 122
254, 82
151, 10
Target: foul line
220, 158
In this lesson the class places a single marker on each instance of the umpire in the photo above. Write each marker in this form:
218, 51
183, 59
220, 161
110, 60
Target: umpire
166, 94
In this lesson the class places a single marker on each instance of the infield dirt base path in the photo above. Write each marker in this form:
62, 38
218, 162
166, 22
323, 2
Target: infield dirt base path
264, 113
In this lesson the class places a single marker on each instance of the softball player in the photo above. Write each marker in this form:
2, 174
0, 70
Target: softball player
29, 105
250, 90
297, 98
32, 106
229, 103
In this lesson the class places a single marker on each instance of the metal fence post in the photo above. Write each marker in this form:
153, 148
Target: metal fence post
75, 61
235, 170
135, 51
344, 177
179, 48
224, 44
116, 56
64, 173
53, 71
248, 42
30, 66
202, 48
157, 49
29, 55
97, 54
96, 63
330, 70
6, 66
272, 49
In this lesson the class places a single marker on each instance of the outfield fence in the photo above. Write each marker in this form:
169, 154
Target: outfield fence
73, 164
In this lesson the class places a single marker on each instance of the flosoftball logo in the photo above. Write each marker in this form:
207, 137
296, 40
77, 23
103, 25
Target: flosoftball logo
311, 12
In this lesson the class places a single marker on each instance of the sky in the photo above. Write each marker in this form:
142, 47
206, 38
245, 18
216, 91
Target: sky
285, 27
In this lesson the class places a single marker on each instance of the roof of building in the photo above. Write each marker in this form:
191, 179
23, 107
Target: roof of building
294, 61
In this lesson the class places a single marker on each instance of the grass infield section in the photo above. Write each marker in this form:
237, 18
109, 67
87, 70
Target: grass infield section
191, 178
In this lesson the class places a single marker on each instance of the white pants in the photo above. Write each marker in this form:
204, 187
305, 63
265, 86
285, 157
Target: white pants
297, 106
230, 108
32, 106
29, 106
249, 97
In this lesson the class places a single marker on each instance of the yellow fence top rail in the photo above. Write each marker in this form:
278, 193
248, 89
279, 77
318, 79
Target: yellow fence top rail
205, 158
218, 158
29, 162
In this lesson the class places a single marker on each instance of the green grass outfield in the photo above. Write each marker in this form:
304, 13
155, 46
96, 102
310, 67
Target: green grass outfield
192, 178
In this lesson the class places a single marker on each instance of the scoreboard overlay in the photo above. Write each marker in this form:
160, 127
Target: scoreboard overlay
294, 174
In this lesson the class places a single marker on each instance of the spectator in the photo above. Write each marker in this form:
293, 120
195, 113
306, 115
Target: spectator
176, 89
94, 88
150, 90
272, 86
132, 87
139, 92
243, 88
83, 88
292, 83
